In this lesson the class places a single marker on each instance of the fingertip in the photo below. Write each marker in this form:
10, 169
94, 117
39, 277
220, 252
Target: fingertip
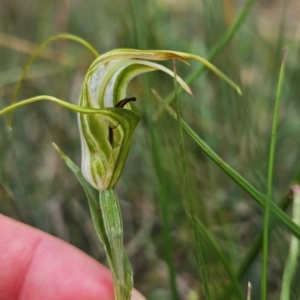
35, 265
40, 266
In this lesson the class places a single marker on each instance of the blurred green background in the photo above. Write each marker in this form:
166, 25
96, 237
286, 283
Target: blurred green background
38, 189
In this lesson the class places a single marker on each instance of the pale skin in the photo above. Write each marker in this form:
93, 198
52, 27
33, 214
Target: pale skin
35, 265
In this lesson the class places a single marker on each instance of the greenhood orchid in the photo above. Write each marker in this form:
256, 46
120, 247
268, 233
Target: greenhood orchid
106, 137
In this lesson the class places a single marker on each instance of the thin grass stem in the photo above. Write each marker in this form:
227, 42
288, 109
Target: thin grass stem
270, 183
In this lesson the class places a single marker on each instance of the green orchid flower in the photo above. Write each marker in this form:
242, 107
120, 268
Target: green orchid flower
106, 137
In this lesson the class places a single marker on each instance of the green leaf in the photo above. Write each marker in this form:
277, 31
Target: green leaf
268, 200
235, 176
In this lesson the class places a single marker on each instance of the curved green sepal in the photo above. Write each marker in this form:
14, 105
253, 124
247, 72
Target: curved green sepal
36, 53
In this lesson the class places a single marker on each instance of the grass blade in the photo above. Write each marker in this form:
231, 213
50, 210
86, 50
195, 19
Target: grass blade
270, 182
235, 176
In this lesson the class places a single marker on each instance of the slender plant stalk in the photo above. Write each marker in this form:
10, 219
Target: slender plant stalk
270, 183
107, 219
291, 263
112, 219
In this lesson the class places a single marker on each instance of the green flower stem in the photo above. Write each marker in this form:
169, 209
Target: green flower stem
107, 219
113, 227
291, 263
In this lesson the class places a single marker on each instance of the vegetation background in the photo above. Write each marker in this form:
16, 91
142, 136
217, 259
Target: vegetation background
37, 188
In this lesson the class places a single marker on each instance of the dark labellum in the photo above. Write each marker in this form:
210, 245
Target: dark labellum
123, 102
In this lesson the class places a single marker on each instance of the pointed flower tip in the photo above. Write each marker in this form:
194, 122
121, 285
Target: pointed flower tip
183, 60
238, 89
168, 54
189, 91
